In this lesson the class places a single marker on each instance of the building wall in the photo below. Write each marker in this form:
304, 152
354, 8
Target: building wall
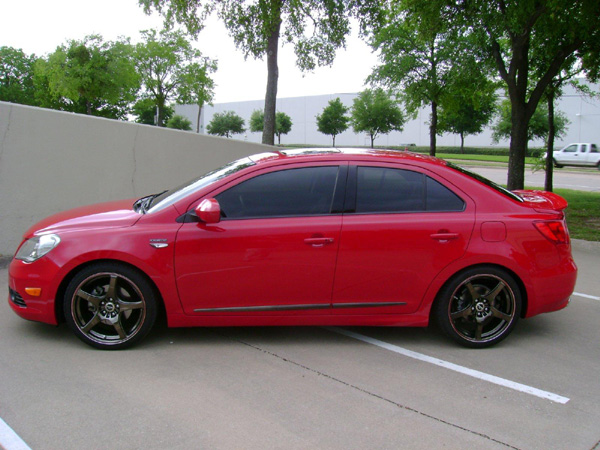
582, 112
51, 161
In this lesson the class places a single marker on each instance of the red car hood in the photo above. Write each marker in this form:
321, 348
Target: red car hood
543, 200
103, 215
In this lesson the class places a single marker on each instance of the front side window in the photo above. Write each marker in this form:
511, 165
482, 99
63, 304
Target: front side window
386, 190
570, 149
292, 192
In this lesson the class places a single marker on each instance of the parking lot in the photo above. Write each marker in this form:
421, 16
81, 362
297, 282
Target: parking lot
308, 387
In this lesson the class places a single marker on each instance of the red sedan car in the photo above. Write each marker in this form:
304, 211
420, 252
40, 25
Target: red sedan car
310, 237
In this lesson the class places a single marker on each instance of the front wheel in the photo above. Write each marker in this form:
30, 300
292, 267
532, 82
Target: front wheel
479, 307
110, 306
557, 165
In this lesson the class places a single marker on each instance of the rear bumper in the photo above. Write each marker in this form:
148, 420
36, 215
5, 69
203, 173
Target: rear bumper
552, 290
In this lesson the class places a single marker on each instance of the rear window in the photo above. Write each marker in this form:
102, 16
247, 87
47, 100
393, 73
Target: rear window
487, 182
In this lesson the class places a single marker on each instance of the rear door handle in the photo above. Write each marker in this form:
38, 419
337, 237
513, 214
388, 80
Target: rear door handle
318, 241
444, 237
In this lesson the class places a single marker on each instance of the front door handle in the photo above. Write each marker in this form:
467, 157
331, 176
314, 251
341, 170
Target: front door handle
444, 237
318, 241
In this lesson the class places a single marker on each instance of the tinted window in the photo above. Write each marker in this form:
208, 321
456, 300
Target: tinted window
381, 189
570, 149
292, 192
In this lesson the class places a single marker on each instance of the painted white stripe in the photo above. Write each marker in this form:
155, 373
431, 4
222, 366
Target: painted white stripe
10, 440
451, 366
593, 297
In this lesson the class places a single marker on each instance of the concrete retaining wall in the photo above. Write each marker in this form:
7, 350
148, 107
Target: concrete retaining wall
51, 161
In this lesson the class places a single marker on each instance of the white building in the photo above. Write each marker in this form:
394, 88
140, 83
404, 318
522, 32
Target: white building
582, 112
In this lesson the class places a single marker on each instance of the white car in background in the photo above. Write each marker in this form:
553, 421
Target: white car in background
579, 154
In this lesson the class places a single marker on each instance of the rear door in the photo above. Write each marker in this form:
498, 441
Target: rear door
403, 226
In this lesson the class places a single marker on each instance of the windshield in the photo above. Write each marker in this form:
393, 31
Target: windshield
172, 196
485, 181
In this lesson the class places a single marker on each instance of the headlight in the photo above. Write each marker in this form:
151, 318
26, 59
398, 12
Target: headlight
36, 247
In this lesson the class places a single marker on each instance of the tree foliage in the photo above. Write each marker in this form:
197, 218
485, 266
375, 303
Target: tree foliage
226, 124
197, 87
283, 123
91, 77
375, 112
163, 61
469, 110
145, 111
16, 76
529, 41
538, 124
333, 120
316, 28
421, 54
179, 123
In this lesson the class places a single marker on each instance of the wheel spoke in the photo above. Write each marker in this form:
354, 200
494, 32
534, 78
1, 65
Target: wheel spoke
463, 314
478, 331
91, 324
500, 315
129, 306
119, 329
112, 287
472, 290
93, 299
491, 296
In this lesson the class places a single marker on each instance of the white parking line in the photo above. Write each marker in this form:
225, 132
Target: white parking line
10, 440
593, 297
451, 366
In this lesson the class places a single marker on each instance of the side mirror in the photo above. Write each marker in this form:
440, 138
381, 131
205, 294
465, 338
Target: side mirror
209, 211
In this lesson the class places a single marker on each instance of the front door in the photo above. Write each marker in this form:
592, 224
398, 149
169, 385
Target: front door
273, 252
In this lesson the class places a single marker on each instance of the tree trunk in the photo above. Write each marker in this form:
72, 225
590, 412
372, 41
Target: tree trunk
88, 107
372, 140
550, 144
334, 140
268, 137
518, 147
462, 142
433, 128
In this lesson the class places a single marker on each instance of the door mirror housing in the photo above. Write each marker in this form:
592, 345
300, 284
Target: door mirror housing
209, 211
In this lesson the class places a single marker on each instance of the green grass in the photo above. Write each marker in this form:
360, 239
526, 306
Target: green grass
583, 213
484, 158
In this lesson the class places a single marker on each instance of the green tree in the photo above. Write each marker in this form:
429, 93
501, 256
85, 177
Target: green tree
538, 124
179, 123
145, 111
420, 53
226, 124
375, 112
16, 76
197, 87
316, 28
529, 42
469, 110
163, 61
333, 120
91, 77
283, 123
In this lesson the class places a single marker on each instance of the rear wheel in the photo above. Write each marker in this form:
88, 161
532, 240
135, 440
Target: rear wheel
110, 306
479, 307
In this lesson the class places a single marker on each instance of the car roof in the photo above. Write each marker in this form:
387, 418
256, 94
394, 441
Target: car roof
315, 154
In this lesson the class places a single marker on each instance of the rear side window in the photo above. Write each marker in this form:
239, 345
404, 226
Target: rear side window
385, 190
293, 192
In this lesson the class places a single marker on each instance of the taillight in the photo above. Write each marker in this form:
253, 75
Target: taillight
553, 230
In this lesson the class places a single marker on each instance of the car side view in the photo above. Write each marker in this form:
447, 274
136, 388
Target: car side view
314, 237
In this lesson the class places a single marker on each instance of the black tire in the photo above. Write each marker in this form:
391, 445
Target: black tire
557, 165
479, 307
110, 306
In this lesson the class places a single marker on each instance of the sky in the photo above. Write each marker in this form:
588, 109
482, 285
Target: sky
39, 26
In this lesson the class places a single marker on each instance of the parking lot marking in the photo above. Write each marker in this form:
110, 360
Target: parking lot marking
593, 297
455, 367
10, 440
